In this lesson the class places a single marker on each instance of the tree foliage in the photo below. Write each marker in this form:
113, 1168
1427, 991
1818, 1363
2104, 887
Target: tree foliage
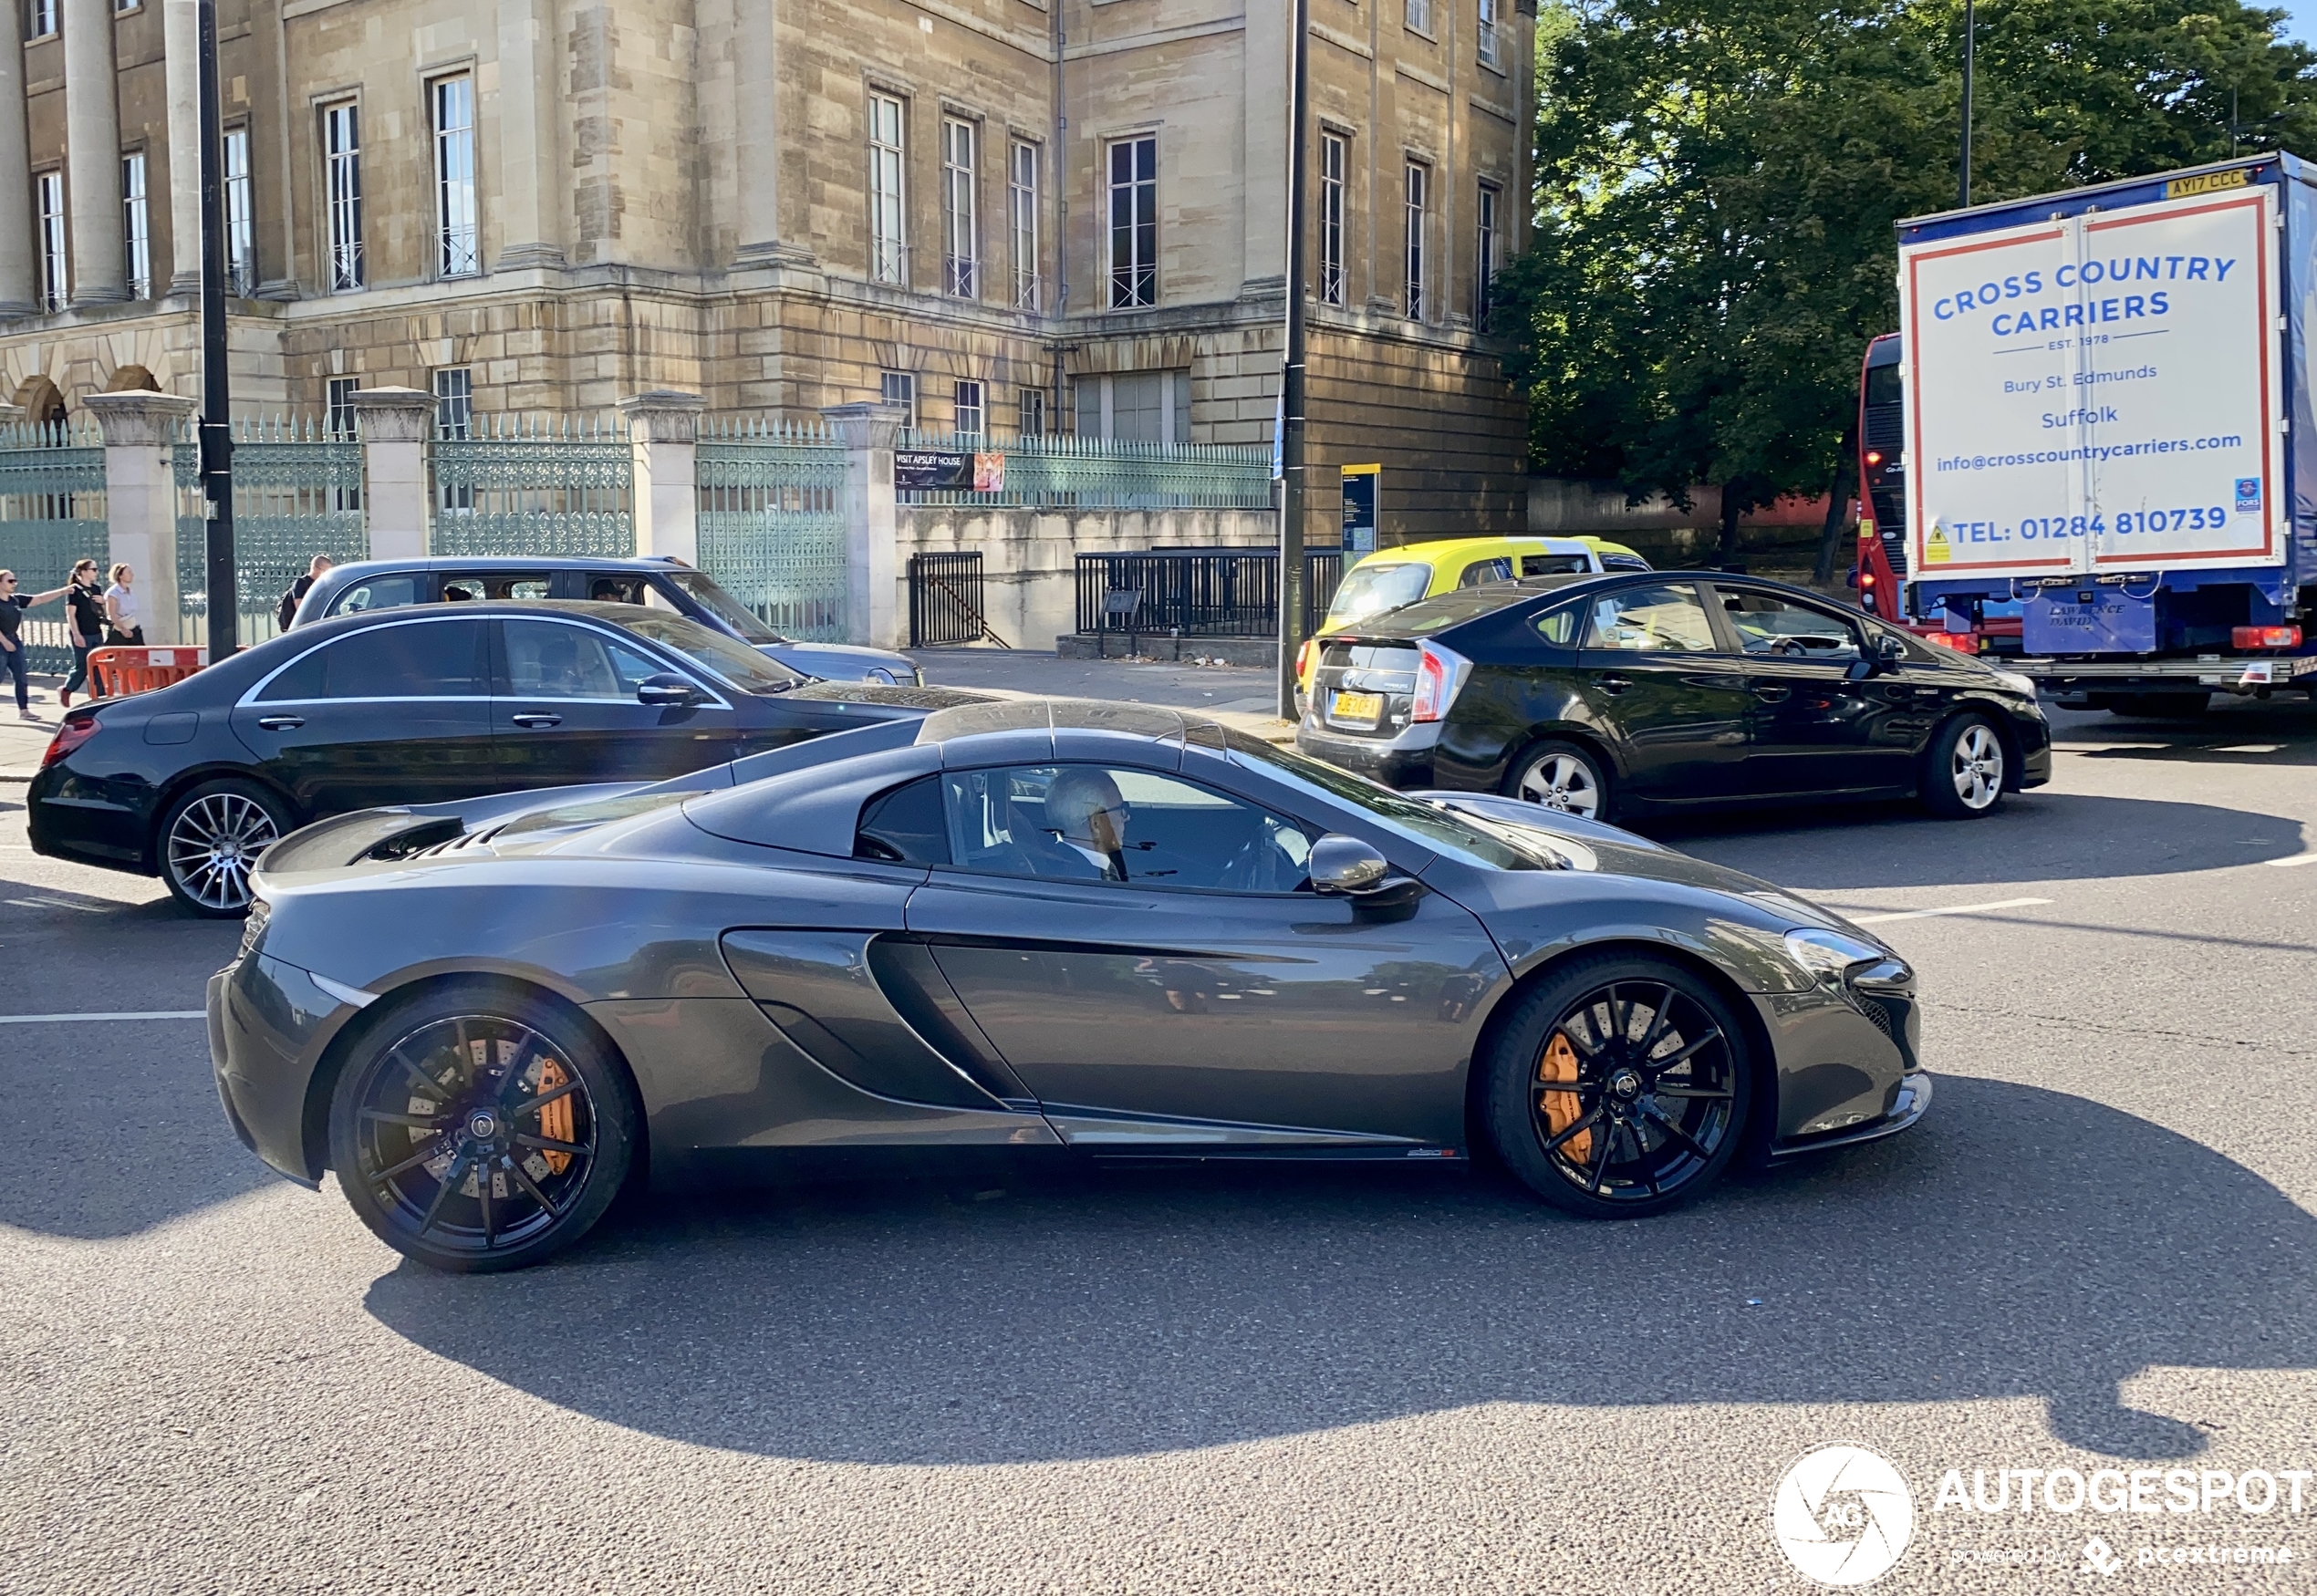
1717, 182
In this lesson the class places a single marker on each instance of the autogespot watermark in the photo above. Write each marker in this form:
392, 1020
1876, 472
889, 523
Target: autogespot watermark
1844, 1515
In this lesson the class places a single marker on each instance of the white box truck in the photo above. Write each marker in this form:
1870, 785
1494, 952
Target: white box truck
2108, 421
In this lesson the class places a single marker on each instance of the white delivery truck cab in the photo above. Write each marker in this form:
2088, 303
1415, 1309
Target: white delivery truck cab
2108, 421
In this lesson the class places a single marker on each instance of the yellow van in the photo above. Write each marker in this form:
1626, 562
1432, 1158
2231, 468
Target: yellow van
1393, 578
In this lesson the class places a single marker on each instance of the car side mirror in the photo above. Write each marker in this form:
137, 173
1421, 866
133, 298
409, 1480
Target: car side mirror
1342, 866
666, 690
1886, 654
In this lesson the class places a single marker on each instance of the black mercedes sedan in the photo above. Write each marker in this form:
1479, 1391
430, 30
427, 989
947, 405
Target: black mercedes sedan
1038, 929
191, 782
1628, 696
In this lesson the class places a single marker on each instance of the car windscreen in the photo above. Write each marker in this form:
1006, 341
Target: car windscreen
733, 662
1429, 825
1369, 590
703, 589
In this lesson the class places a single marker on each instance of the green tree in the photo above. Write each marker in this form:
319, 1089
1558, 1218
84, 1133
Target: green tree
1717, 186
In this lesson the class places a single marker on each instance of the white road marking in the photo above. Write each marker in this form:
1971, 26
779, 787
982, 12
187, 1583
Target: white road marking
1961, 908
63, 1019
2246, 748
2294, 863
57, 903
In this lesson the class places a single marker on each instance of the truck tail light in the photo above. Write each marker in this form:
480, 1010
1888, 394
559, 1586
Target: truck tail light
70, 736
2265, 637
1866, 578
1440, 674
1962, 642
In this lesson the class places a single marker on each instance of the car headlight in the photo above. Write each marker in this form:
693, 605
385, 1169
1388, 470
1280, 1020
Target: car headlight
2023, 685
1829, 955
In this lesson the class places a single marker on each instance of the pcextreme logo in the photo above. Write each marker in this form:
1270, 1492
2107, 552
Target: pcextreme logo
1841, 1515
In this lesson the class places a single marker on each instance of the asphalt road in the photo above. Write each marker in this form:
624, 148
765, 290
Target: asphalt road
2096, 1253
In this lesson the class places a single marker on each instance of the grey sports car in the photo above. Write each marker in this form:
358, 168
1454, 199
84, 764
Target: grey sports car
1098, 929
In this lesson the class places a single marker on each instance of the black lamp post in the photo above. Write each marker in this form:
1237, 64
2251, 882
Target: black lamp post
216, 429
1971, 43
1292, 485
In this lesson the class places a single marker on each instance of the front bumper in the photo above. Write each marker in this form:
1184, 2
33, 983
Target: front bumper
1403, 760
1848, 1059
1914, 1100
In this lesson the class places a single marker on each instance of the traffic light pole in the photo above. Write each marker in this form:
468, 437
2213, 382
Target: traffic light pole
216, 429
1292, 484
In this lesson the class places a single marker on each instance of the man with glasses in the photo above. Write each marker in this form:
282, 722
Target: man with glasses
12, 656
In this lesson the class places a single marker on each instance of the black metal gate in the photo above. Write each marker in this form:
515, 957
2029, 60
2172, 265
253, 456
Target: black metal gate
945, 600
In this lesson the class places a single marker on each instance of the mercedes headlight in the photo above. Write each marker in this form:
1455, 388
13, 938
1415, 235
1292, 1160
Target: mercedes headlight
2023, 685
1829, 955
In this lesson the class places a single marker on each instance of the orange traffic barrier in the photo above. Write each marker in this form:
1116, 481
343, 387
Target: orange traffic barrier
121, 670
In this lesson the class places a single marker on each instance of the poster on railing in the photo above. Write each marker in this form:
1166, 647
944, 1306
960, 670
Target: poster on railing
956, 470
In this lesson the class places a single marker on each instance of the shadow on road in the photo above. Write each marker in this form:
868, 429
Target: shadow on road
2021, 1243
2033, 837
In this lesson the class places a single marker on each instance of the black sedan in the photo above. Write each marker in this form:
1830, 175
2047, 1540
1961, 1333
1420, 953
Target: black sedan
1087, 929
194, 782
1632, 695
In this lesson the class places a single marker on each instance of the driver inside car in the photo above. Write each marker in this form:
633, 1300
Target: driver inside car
1086, 811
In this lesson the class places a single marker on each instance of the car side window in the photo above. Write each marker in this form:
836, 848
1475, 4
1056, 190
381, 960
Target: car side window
1771, 625
1560, 627
616, 589
378, 593
1131, 827
904, 826
1553, 565
1484, 571
552, 659
430, 659
1668, 619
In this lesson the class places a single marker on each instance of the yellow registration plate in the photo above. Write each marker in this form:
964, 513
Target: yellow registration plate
1366, 707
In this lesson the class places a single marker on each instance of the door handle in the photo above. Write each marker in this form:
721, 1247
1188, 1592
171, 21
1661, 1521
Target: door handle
1613, 685
280, 722
536, 720
1772, 694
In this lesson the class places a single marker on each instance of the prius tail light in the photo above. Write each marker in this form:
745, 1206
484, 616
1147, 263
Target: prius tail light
1439, 677
2265, 637
1307, 658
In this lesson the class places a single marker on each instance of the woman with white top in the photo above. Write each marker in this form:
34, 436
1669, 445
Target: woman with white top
120, 611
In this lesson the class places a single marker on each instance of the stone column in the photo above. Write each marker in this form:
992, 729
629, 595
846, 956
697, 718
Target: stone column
19, 281
532, 181
756, 153
663, 426
872, 555
394, 424
1263, 129
180, 44
92, 157
141, 495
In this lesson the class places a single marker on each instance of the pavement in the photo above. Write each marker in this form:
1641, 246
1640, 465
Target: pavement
2094, 1253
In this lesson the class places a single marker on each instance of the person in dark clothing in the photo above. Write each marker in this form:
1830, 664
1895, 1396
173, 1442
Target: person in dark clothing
85, 621
316, 569
12, 645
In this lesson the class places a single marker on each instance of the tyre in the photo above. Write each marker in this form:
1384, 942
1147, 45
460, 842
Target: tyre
1962, 774
209, 841
2159, 706
476, 1128
1619, 1088
1566, 776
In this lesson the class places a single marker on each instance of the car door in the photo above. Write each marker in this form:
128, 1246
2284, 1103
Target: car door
1663, 685
1821, 722
398, 712
564, 708
1165, 982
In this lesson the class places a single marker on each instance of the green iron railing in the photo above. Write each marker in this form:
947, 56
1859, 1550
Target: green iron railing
52, 513
514, 486
1062, 472
297, 492
771, 529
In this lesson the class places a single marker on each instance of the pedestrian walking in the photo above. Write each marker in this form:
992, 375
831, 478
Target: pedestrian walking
295, 595
12, 645
85, 620
122, 625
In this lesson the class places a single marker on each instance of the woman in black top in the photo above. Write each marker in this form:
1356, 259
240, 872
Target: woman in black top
12, 659
85, 607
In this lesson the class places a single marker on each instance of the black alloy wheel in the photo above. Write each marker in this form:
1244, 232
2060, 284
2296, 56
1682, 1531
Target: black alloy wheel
210, 840
476, 1129
1620, 1088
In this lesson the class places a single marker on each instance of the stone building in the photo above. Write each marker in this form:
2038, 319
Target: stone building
1009, 214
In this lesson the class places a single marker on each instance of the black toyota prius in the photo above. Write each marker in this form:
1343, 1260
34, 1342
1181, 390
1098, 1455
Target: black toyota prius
1671, 691
194, 782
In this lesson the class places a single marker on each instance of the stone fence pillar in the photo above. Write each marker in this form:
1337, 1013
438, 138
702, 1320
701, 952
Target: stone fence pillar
663, 428
394, 424
141, 499
868, 431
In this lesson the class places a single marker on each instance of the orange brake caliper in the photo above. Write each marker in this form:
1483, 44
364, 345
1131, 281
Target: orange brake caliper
556, 1120
1562, 1107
